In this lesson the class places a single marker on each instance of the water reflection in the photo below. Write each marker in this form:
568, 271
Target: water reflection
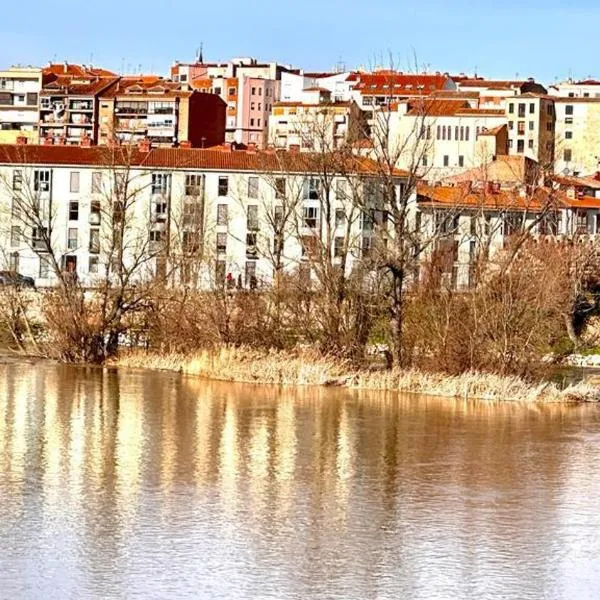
142, 485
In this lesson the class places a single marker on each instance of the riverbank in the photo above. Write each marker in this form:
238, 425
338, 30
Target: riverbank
245, 365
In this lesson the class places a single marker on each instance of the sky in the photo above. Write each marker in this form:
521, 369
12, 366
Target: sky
546, 39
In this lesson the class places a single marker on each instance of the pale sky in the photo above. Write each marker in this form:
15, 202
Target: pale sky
546, 39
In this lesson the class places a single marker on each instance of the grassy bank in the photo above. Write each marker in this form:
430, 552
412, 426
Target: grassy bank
309, 368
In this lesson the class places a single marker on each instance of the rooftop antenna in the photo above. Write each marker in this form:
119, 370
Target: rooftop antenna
91, 59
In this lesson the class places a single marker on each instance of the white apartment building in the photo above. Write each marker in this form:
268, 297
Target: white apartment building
293, 85
587, 88
441, 137
182, 200
19, 103
494, 93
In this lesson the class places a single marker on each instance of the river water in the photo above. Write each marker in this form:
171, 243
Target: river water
151, 485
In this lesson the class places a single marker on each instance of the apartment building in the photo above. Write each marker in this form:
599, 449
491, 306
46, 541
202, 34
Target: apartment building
587, 88
68, 110
149, 107
317, 123
531, 126
385, 87
441, 137
248, 87
19, 99
223, 203
577, 135
494, 93
293, 85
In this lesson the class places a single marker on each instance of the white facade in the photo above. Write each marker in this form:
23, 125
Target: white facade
576, 89
237, 208
19, 103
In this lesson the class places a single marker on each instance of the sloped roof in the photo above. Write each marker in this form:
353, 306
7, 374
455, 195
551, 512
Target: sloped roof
183, 158
505, 170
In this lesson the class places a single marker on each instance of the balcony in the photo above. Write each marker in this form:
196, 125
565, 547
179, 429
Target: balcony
81, 107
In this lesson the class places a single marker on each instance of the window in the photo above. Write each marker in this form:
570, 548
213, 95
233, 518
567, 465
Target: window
312, 187
38, 235
260, 91
569, 109
250, 274
15, 235
340, 217
160, 183
251, 122
95, 213
221, 243
96, 182
567, 155
461, 161
74, 182
254, 91
41, 181
521, 127
446, 160
223, 186
521, 110
72, 238
456, 133
467, 129
531, 125
44, 271
278, 216
17, 180
252, 217
252, 187
231, 91
530, 144
532, 108
73, 211
548, 126
438, 133
511, 108
217, 91
338, 246
157, 236
93, 264
252, 105
424, 161
310, 217
251, 249
280, 188
193, 184
258, 122
520, 145
221, 214
366, 246
568, 135
94, 247
13, 262
511, 125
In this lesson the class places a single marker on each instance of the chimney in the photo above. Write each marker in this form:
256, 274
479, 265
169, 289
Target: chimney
294, 148
48, 141
145, 145
85, 141
21, 140
185, 144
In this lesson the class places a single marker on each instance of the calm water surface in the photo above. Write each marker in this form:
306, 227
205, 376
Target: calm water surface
145, 485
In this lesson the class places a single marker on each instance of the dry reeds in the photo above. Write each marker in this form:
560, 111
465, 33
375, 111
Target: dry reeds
307, 367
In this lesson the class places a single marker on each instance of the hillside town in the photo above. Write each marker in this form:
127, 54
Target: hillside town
238, 159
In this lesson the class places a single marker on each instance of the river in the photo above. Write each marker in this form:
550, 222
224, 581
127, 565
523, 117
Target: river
131, 484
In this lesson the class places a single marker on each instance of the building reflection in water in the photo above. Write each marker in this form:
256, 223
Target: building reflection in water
235, 482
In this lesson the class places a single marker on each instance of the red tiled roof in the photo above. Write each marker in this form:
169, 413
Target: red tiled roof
492, 84
581, 202
577, 182
179, 158
68, 86
392, 83
437, 108
460, 197
74, 70
143, 86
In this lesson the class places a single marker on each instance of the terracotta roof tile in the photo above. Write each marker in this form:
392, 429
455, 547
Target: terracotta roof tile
180, 158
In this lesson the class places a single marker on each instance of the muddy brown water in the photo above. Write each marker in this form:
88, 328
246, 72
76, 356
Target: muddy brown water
131, 484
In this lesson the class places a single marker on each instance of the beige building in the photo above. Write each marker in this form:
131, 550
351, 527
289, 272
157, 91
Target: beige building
577, 135
530, 119
316, 123
19, 103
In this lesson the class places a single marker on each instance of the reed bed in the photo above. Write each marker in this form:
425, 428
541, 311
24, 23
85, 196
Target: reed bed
307, 367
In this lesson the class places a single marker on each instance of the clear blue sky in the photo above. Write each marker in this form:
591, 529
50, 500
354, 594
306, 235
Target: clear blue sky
542, 38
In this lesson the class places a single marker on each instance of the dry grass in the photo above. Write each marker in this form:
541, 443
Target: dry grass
306, 367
